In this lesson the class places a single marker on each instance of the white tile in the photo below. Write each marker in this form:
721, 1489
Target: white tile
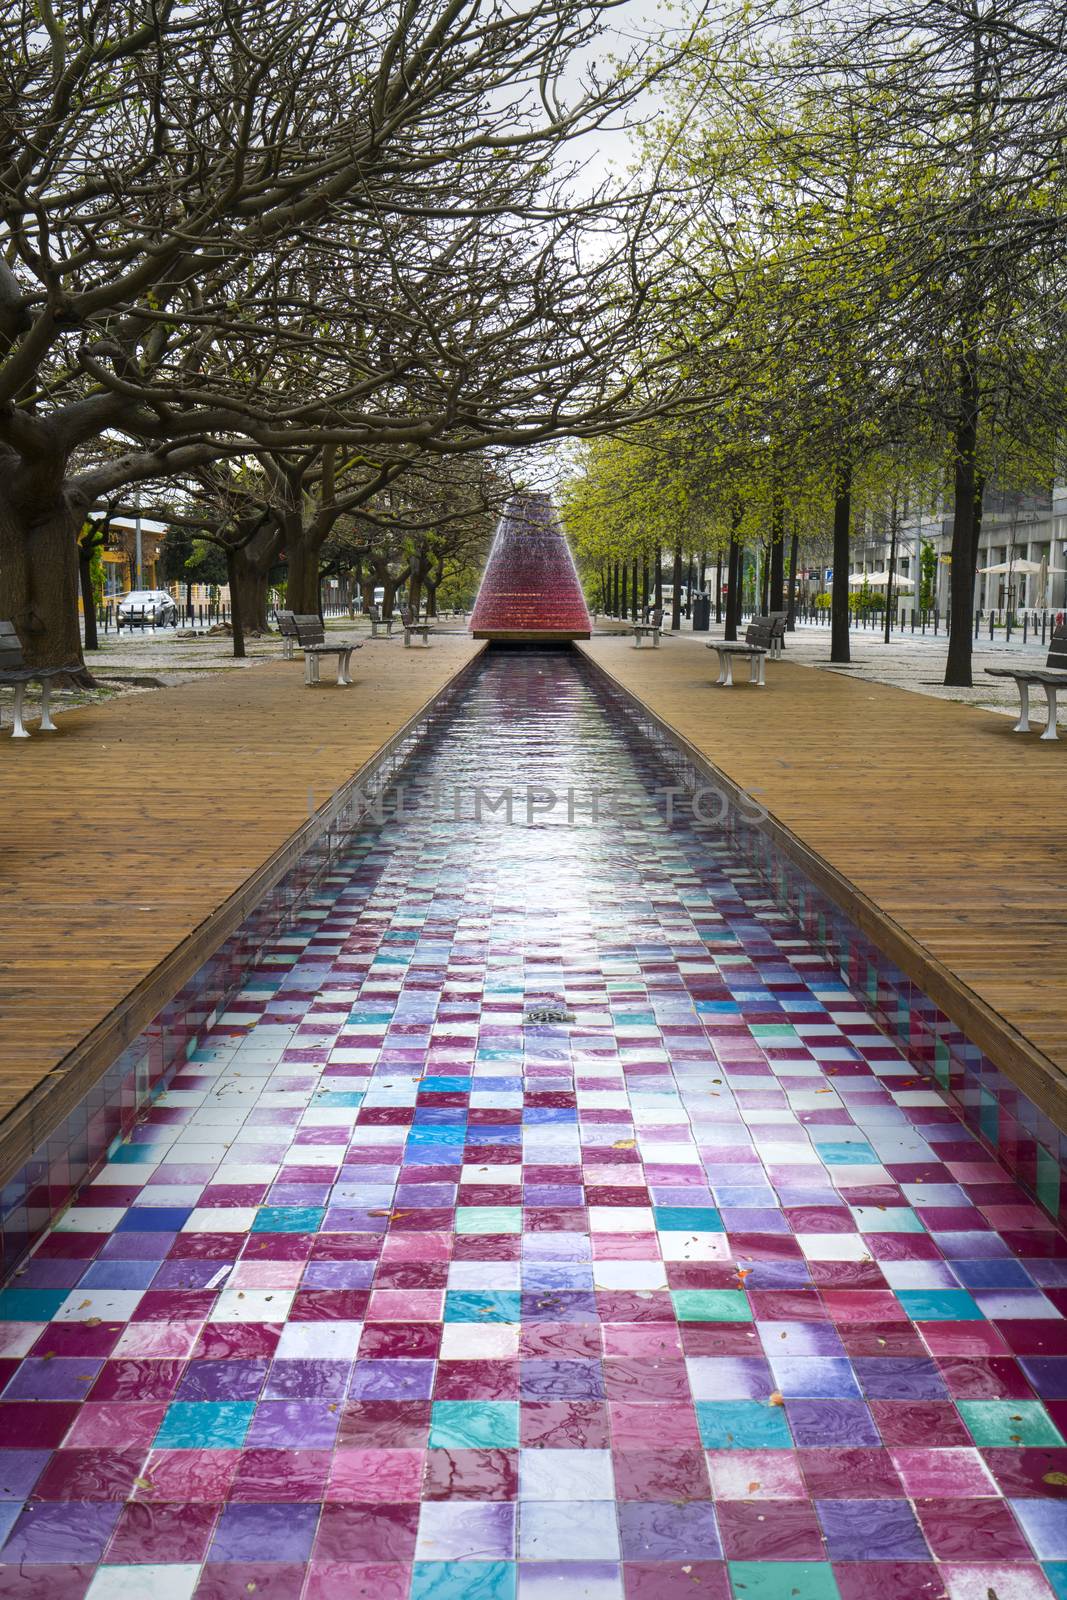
220, 1219
175, 1581
91, 1219
470, 1341
833, 1246
566, 1475
328, 1341
252, 1305
110, 1305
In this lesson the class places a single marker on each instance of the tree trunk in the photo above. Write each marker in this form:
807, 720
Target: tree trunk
676, 597
388, 598
236, 622
776, 596
659, 578
248, 592
644, 586
966, 527
734, 569
625, 590
302, 558
791, 603
765, 584
39, 583
839, 616
633, 597
85, 576
718, 584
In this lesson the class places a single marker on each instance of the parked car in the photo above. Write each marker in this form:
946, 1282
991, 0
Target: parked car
155, 605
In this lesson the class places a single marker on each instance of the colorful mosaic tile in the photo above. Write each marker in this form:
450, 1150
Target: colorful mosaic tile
395, 1293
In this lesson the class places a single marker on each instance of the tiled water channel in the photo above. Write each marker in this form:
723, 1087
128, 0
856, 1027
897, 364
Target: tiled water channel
701, 1295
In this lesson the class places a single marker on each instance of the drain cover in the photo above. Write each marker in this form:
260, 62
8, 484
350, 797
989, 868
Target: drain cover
549, 1011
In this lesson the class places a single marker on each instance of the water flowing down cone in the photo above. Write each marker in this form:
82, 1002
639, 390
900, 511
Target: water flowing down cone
530, 589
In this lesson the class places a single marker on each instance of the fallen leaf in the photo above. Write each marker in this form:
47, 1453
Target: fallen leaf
776, 1399
625, 1144
93, 1322
753, 1486
143, 1483
1057, 1478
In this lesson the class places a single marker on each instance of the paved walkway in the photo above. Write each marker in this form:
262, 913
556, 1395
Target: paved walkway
948, 823
401, 1295
126, 833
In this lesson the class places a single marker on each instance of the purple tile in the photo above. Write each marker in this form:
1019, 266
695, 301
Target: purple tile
872, 1530
263, 1532
668, 1531
61, 1531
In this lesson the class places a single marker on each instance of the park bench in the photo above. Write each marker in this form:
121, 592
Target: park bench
777, 621
287, 629
14, 670
755, 650
378, 621
412, 625
311, 637
1051, 677
653, 628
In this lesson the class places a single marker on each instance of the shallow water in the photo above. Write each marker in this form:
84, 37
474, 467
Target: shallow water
701, 1293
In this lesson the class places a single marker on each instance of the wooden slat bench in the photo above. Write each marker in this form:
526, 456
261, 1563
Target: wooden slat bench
755, 650
653, 628
13, 670
412, 625
287, 629
311, 637
1051, 677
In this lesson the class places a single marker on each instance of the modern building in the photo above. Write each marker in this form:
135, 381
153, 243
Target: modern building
1025, 533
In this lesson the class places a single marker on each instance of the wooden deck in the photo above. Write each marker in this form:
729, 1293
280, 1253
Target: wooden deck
941, 831
139, 835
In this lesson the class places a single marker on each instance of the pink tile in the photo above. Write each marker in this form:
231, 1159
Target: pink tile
406, 1305
417, 1247
116, 1423
266, 1275
963, 1339
375, 1475
955, 1471
158, 1339
642, 1339
194, 1475
378, 1581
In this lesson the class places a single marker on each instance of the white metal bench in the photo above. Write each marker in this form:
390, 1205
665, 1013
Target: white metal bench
652, 629
13, 670
311, 637
1051, 677
378, 621
755, 650
411, 625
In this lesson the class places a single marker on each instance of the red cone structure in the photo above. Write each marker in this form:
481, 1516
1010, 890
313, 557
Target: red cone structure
530, 589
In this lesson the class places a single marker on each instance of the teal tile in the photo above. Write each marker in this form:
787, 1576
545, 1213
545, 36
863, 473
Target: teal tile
711, 1305
1056, 1573
338, 1097
688, 1219
841, 1153
134, 1153
442, 1084
742, 1425
1009, 1423
939, 1305
288, 1219
30, 1305
886, 1219
463, 1580
474, 1425
786, 1580
489, 1219
204, 1425
483, 1305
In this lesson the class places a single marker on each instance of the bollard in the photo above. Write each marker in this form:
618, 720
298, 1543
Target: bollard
977, 621
992, 614
1026, 618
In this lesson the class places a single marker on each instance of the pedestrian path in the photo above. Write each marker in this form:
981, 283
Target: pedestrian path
134, 836
936, 826
406, 1293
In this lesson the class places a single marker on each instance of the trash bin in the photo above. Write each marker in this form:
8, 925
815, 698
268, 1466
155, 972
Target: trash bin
701, 613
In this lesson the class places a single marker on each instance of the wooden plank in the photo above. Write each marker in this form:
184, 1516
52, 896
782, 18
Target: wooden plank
142, 832
936, 827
